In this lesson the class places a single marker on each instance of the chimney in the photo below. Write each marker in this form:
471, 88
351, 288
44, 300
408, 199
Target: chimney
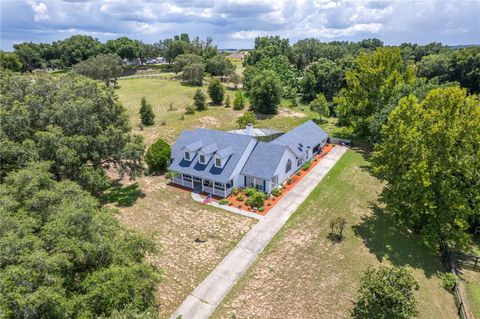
249, 129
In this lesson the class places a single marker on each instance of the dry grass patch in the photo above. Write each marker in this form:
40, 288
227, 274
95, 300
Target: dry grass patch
175, 221
302, 274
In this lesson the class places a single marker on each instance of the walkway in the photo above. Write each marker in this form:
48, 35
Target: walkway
207, 296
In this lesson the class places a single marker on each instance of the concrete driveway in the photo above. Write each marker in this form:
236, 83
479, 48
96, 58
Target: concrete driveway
207, 296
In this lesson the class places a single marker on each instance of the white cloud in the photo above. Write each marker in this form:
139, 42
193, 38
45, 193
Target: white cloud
40, 9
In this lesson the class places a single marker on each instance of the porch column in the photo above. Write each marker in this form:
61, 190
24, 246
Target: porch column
202, 185
213, 187
182, 180
224, 190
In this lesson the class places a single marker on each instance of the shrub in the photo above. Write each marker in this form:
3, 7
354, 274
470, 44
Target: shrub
337, 225
146, 112
163, 122
249, 191
239, 206
261, 209
299, 173
256, 200
216, 91
193, 73
289, 181
223, 201
157, 156
170, 175
230, 203
239, 101
448, 280
386, 293
277, 192
240, 198
307, 165
227, 101
199, 100
189, 110
247, 118
269, 204
235, 191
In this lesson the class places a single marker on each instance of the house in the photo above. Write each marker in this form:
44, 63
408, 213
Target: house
217, 161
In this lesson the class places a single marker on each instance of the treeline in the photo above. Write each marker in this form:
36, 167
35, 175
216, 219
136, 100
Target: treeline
29, 56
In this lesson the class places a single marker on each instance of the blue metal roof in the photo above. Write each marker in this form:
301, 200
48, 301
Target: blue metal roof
300, 138
264, 160
232, 147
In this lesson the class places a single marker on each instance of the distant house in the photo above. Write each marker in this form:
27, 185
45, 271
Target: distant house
236, 55
216, 161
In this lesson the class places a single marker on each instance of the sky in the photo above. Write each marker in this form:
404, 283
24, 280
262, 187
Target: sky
236, 23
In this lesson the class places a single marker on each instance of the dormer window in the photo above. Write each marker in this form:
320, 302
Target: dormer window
186, 156
218, 162
201, 159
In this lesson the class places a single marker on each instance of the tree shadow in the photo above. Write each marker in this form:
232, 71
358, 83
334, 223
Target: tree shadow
388, 241
122, 196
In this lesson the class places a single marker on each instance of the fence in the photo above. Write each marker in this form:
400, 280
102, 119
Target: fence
467, 261
450, 260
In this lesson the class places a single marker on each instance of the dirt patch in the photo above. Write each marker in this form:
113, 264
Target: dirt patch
174, 221
208, 122
290, 113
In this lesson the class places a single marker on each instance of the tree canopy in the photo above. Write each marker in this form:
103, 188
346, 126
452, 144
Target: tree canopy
62, 256
266, 92
216, 91
73, 122
430, 158
104, 67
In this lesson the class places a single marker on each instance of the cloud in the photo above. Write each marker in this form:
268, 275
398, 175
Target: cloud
40, 9
235, 23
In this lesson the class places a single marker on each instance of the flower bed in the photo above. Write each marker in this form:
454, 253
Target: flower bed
240, 198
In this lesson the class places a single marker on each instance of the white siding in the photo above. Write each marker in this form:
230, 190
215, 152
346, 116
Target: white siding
280, 171
238, 180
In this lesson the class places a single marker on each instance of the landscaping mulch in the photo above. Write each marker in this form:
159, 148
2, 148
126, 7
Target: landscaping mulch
270, 203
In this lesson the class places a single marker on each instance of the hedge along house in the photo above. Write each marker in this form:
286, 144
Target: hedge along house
215, 162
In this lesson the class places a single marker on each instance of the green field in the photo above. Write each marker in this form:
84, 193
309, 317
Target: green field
473, 290
302, 274
169, 98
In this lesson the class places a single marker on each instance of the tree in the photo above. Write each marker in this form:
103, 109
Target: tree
10, 61
370, 87
199, 100
337, 225
146, 112
323, 76
77, 260
435, 66
104, 67
193, 73
78, 48
219, 66
246, 119
124, 47
266, 92
72, 121
239, 101
183, 60
30, 55
320, 106
386, 293
216, 91
465, 66
235, 78
430, 159
227, 101
158, 156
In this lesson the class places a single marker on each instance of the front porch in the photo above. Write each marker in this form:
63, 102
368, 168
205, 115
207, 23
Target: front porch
201, 185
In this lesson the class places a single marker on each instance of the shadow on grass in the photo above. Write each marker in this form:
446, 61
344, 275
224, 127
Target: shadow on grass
388, 241
122, 196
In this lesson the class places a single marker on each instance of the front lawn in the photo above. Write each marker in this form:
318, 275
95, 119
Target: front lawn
303, 274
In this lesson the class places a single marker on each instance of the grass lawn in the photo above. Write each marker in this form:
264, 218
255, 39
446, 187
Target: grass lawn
302, 274
162, 93
473, 291
174, 221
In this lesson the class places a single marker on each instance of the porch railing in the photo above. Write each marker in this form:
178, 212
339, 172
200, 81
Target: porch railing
185, 183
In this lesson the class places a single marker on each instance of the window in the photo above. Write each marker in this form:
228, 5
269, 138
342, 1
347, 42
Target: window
300, 161
274, 181
187, 156
218, 162
288, 167
202, 159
